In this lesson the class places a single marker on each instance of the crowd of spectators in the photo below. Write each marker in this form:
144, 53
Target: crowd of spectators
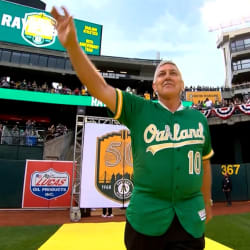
208, 104
54, 87
243, 85
55, 131
203, 88
60, 88
29, 133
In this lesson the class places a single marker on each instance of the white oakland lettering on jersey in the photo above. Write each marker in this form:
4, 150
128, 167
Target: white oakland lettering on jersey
172, 140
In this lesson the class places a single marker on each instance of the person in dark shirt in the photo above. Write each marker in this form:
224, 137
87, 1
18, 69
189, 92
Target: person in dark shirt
227, 188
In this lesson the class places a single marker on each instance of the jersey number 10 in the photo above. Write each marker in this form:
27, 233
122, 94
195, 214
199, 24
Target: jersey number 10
194, 162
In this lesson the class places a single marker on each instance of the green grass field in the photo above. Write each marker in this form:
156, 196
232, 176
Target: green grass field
230, 230
25, 237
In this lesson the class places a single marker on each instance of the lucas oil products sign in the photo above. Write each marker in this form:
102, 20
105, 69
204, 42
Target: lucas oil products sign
47, 184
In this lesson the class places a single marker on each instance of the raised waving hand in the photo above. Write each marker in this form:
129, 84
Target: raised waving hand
65, 27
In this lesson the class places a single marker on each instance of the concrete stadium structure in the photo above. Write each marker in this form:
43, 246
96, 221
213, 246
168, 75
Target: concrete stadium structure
235, 45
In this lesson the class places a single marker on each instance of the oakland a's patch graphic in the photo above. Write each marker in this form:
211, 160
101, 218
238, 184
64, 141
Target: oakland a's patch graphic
123, 189
114, 168
38, 29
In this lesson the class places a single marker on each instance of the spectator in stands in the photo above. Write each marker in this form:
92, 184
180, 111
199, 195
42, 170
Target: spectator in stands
50, 133
154, 219
29, 128
247, 100
1, 131
147, 95
23, 84
194, 106
217, 104
34, 85
6, 134
64, 90
200, 105
129, 90
18, 85
231, 103
22, 137
12, 84
51, 129
208, 103
65, 130
69, 91
15, 134
76, 91
84, 90
59, 88
29, 85
134, 91
237, 101
45, 87
59, 129
224, 103
33, 125
5, 83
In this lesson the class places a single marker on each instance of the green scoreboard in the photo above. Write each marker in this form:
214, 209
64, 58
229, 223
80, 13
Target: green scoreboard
33, 27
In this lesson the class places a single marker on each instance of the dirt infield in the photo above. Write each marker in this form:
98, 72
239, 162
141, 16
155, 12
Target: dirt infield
21, 217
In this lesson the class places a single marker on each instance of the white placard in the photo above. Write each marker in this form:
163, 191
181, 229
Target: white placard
91, 195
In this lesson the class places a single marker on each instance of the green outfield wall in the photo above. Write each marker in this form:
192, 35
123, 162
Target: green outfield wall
19, 152
11, 185
240, 176
12, 173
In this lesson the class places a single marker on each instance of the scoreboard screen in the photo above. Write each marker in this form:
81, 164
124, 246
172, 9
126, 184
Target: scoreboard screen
33, 27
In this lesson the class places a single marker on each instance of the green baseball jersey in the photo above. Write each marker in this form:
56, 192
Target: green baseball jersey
168, 149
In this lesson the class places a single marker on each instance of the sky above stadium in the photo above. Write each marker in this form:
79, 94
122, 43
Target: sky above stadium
176, 30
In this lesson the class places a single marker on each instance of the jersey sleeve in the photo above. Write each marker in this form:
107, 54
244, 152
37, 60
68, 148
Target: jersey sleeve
128, 107
207, 150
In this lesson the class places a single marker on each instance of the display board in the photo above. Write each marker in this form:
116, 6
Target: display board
36, 28
47, 184
107, 166
196, 96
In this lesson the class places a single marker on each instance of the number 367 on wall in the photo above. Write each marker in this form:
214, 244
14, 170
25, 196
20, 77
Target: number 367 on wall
230, 169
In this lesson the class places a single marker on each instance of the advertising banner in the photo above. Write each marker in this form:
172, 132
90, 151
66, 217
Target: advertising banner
33, 27
107, 166
47, 184
196, 96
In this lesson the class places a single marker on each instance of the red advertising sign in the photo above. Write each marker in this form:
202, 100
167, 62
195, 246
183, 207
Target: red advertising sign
47, 184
